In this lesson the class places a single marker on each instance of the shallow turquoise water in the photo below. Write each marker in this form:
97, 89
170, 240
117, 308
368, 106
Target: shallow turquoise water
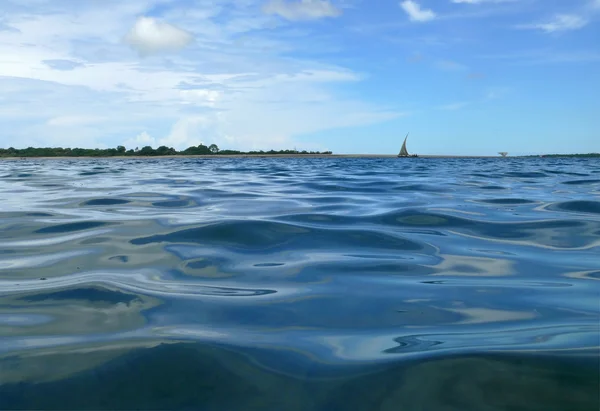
300, 284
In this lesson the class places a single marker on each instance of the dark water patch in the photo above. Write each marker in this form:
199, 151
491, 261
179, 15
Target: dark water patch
262, 235
492, 188
482, 175
526, 174
424, 219
105, 202
206, 263
38, 214
320, 199
187, 376
268, 265
89, 294
595, 275
91, 173
507, 201
560, 172
120, 258
417, 188
70, 227
325, 187
581, 182
581, 206
378, 268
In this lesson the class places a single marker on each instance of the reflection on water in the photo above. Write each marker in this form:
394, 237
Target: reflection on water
308, 284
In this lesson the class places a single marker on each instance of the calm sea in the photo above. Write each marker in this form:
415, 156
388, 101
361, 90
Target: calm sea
300, 284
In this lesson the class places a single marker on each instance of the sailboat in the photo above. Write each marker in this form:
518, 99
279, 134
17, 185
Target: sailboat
403, 151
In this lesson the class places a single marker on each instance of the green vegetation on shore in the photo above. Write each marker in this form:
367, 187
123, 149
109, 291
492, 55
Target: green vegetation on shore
146, 151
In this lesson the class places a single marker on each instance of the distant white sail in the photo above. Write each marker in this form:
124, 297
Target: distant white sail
403, 150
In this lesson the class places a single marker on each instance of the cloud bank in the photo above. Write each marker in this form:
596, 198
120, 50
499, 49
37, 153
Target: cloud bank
97, 74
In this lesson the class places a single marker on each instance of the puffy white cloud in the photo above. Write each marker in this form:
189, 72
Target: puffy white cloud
302, 9
416, 12
149, 36
141, 140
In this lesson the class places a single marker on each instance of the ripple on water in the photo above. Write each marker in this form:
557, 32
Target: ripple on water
263, 235
89, 294
507, 201
173, 203
581, 182
71, 227
492, 188
105, 202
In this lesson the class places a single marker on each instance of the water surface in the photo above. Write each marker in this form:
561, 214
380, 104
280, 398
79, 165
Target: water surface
300, 284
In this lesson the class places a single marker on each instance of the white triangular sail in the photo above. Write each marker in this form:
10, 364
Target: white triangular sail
403, 150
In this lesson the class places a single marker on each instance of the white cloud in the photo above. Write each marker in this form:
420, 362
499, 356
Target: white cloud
149, 36
141, 140
302, 9
70, 121
561, 22
415, 12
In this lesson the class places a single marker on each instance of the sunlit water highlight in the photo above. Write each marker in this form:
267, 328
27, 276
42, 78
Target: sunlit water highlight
300, 284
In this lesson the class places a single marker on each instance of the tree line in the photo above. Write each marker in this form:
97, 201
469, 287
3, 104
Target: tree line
146, 151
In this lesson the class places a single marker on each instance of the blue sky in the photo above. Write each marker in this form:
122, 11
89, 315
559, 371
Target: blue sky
351, 76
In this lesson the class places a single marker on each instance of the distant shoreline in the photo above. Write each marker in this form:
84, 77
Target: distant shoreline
217, 156
232, 156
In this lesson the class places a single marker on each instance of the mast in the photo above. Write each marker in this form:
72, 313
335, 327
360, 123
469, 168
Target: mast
403, 151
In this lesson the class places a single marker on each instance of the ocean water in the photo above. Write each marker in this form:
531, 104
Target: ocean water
300, 284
